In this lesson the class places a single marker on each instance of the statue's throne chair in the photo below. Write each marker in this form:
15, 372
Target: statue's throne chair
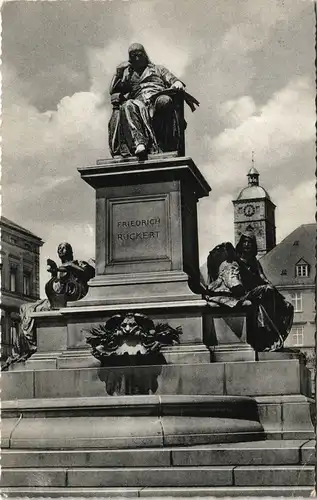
117, 147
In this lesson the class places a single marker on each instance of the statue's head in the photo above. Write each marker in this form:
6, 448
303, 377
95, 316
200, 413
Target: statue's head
247, 244
138, 56
65, 252
223, 252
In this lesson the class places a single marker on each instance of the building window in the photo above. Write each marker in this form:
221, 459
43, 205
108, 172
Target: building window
302, 271
13, 278
26, 283
298, 335
297, 301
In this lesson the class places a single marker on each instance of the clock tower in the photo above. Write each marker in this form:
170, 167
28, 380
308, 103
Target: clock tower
254, 211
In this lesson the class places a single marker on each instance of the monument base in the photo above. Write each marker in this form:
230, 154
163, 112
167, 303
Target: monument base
146, 231
61, 334
192, 354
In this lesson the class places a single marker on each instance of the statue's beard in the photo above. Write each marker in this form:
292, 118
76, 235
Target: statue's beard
139, 65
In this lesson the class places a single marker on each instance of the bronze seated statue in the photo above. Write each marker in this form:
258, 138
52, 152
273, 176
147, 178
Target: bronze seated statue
148, 108
237, 280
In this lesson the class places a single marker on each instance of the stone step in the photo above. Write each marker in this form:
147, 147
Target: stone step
125, 432
120, 406
281, 417
255, 476
244, 453
251, 378
136, 406
202, 492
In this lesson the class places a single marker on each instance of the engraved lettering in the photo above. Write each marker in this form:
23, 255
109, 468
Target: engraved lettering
138, 236
137, 222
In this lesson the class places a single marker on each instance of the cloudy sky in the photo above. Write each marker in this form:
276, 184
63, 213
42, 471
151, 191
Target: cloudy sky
250, 63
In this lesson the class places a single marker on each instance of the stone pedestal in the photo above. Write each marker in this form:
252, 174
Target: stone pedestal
61, 335
146, 230
146, 253
226, 334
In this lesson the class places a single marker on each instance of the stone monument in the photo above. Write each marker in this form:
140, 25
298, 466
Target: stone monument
123, 388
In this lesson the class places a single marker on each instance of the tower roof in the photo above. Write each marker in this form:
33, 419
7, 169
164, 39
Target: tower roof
252, 192
253, 189
253, 171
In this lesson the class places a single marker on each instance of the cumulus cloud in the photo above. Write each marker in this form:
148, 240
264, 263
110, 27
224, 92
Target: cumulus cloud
298, 204
162, 49
51, 125
102, 64
274, 131
236, 111
45, 148
215, 222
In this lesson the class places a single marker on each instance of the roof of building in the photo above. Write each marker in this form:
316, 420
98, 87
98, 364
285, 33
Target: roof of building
253, 171
13, 225
253, 192
299, 247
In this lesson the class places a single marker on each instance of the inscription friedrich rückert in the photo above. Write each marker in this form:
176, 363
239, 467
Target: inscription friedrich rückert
138, 224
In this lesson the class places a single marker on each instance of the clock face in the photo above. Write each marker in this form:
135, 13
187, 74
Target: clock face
249, 210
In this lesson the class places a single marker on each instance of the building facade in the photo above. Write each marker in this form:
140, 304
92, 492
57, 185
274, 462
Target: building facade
254, 211
20, 255
290, 266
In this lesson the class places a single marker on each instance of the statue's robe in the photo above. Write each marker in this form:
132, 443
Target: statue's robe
139, 115
273, 314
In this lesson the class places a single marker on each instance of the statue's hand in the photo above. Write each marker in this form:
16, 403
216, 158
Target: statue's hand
177, 85
121, 68
117, 99
51, 266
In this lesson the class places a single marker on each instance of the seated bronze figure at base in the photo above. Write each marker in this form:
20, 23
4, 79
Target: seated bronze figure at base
237, 279
69, 282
